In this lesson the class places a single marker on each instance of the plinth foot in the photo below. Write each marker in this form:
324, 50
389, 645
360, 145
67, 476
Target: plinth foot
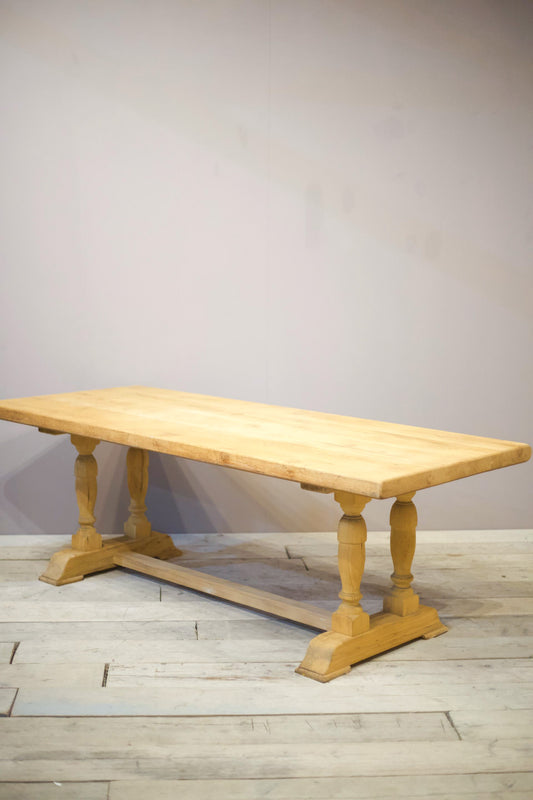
332, 654
70, 565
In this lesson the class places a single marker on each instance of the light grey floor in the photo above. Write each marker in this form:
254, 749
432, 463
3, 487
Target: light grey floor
121, 686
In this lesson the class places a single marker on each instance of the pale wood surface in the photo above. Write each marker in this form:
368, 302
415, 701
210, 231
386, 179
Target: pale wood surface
218, 714
6, 648
376, 459
260, 760
52, 674
235, 730
483, 725
228, 590
7, 696
54, 790
516, 786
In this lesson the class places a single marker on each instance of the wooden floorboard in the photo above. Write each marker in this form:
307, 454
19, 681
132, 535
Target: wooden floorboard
31, 676
6, 648
122, 686
56, 790
463, 787
7, 697
220, 695
298, 760
493, 724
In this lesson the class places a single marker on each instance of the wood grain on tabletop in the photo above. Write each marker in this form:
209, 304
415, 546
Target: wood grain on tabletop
376, 459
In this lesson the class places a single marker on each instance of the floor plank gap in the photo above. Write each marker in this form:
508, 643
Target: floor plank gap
15, 648
9, 713
450, 720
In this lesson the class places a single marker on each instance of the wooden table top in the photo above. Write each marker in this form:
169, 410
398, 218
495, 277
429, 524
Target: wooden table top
376, 459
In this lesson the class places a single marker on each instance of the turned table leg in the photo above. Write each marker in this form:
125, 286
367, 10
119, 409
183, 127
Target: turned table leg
350, 618
85, 471
137, 525
139, 536
401, 598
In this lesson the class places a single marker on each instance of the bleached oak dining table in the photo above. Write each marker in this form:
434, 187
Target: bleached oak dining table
355, 459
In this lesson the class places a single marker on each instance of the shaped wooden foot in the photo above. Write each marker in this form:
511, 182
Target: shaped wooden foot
70, 565
331, 654
89, 553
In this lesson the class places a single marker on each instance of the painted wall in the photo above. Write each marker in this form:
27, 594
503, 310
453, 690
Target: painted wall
315, 204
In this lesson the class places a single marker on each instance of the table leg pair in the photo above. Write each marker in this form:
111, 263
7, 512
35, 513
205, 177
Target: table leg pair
351, 635
354, 635
89, 552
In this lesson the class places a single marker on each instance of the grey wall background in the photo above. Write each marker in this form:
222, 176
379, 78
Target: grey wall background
314, 204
